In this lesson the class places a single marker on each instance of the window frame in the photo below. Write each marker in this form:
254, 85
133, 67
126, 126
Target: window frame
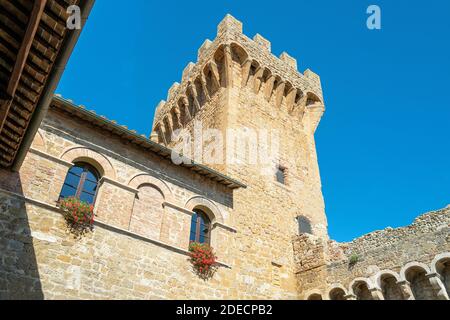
200, 214
83, 178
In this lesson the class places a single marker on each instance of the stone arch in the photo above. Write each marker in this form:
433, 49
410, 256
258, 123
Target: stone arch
409, 265
147, 211
387, 282
146, 179
441, 266
249, 74
39, 141
99, 161
313, 99
361, 288
239, 54
337, 292
416, 273
212, 78
207, 206
314, 295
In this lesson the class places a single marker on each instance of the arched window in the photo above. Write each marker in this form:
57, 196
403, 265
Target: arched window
200, 227
81, 182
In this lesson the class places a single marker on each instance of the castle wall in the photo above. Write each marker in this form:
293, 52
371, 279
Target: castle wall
395, 263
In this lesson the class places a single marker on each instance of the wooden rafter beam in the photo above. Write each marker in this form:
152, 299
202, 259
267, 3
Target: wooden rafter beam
22, 55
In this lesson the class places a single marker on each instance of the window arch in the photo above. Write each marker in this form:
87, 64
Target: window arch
200, 227
81, 182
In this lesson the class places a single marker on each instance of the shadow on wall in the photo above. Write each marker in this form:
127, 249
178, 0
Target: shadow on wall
19, 275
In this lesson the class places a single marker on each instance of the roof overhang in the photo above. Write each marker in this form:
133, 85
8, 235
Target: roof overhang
35, 46
66, 106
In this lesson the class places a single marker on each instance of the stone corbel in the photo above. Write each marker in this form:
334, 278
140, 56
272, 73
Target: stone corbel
257, 79
185, 102
176, 111
194, 93
228, 66
204, 86
214, 73
246, 71
290, 98
269, 87
279, 93
299, 108
162, 134
169, 123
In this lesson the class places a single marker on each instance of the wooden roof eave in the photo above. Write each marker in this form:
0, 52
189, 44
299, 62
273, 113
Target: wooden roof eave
144, 142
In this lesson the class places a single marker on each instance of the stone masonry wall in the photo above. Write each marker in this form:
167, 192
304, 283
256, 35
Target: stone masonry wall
394, 251
137, 250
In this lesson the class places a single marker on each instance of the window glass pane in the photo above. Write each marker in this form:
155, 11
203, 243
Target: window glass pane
193, 227
77, 170
203, 236
89, 187
67, 191
89, 198
90, 176
72, 180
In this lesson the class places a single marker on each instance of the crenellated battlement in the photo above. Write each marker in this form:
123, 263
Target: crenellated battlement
277, 78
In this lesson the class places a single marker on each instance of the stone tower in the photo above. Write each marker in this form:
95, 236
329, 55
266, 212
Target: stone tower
238, 84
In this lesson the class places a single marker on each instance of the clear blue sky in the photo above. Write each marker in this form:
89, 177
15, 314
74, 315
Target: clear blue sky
383, 143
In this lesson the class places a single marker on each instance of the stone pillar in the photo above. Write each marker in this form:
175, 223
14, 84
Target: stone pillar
405, 287
438, 286
376, 294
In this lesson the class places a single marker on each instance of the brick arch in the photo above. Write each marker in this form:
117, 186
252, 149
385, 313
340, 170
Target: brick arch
144, 178
213, 212
99, 161
39, 141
